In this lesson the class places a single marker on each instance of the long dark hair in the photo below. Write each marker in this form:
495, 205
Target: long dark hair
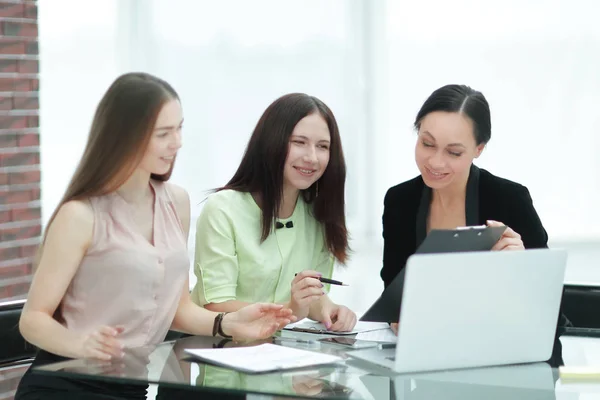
120, 132
261, 169
464, 100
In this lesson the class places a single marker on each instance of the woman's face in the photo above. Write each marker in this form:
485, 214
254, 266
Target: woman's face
308, 152
165, 141
445, 149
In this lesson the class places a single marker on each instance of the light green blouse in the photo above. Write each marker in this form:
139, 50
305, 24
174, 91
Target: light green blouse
232, 264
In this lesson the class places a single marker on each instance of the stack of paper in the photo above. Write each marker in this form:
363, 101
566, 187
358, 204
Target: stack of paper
262, 358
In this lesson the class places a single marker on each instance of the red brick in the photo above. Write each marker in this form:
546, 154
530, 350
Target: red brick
20, 29
15, 197
28, 232
9, 66
30, 10
18, 84
18, 122
18, 159
28, 66
5, 216
6, 103
28, 139
3, 178
33, 121
11, 10
29, 250
13, 122
20, 289
31, 47
20, 178
19, 196
17, 270
13, 46
26, 214
25, 103
9, 253
7, 141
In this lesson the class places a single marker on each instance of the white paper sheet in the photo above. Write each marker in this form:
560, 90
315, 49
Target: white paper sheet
317, 327
381, 335
262, 358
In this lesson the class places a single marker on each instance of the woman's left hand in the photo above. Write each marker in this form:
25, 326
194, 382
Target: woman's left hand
337, 318
256, 321
510, 239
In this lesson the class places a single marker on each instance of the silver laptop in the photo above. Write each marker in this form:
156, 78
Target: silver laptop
463, 310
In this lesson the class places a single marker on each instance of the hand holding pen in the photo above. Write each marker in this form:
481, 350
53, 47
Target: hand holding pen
306, 288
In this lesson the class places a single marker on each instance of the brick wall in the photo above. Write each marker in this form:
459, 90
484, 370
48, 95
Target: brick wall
20, 223
20, 214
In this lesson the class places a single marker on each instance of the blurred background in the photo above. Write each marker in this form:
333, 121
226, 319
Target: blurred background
373, 62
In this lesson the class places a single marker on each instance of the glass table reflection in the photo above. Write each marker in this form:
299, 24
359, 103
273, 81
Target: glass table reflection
172, 369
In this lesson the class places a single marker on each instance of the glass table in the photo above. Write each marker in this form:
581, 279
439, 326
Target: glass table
168, 366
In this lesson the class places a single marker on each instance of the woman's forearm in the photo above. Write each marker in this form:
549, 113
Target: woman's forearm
227, 306
44, 332
193, 319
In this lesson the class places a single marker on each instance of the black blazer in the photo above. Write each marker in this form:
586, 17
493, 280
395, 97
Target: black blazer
488, 197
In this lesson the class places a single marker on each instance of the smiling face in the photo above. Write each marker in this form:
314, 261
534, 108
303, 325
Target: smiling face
308, 153
165, 141
445, 149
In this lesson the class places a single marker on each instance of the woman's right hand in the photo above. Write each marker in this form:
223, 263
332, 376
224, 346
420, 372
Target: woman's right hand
306, 288
256, 321
394, 326
102, 344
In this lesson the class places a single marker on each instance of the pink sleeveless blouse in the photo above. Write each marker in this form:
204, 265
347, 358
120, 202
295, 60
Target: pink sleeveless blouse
125, 280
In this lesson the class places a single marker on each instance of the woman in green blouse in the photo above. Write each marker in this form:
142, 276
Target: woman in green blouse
279, 224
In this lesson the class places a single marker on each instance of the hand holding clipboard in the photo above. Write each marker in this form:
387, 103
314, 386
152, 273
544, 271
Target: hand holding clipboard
493, 236
510, 239
461, 239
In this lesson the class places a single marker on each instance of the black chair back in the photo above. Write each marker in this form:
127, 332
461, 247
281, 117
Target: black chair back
13, 347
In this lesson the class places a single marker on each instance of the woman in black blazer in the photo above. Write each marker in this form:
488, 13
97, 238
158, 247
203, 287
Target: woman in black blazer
453, 128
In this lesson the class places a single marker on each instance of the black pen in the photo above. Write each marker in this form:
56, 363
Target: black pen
330, 281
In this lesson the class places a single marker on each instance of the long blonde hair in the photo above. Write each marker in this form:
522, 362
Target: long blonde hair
120, 132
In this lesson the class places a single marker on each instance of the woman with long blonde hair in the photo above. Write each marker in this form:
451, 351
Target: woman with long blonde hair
113, 268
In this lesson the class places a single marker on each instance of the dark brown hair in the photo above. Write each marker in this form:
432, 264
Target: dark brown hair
120, 132
261, 169
463, 100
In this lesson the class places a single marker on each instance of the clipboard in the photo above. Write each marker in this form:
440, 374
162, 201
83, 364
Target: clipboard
471, 238
468, 238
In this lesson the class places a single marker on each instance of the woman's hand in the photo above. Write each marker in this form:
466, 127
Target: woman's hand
510, 239
306, 288
394, 326
337, 318
102, 344
307, 384
256, 321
